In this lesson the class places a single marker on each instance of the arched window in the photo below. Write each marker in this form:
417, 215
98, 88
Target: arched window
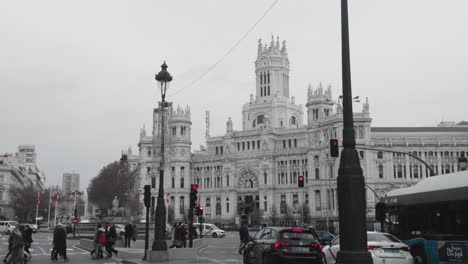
318, 201
181, 182
293, 121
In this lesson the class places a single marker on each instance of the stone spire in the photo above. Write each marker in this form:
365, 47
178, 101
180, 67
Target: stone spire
365, 106
259, 47
143, 131
284, 51
229, 127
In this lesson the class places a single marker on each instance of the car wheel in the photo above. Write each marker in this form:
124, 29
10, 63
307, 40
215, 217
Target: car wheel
215, 235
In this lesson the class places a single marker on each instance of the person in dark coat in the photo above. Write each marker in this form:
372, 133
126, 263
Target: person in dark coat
111, 237
244, 237
128, 234
60, 243
27, 240
183, 235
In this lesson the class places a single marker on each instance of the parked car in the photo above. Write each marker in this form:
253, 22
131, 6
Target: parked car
6, 227
283, 245
325, 237
384, 248
209, 230
120, 229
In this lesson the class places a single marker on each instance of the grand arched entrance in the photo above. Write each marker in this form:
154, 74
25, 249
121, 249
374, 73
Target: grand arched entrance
248, 203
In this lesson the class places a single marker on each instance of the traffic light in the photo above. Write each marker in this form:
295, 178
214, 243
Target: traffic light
334, 149
147, 198
193, 195
380, 210
200, 210
300, 181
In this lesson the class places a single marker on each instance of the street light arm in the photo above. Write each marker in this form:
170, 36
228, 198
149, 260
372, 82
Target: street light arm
404, 153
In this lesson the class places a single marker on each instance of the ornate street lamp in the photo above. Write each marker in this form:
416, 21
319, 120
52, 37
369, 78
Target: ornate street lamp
351, 190
159, 243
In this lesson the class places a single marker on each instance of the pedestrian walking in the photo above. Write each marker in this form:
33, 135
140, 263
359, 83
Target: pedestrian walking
174, 231
60, 243
135, 232
15, 254
27, 240
111, 237
95, 253
183, 236
244, 237
128, 234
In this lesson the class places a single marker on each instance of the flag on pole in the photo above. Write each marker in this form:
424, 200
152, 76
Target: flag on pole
50, 199
38, 200
56, 196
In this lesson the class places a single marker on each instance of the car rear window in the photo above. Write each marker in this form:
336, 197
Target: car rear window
382, 237
298, 234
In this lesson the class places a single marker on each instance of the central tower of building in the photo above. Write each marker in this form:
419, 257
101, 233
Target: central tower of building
272, 107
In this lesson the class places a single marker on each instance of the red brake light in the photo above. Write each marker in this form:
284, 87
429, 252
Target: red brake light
297, 230
406, 249
316, 245
372, 247
280, 244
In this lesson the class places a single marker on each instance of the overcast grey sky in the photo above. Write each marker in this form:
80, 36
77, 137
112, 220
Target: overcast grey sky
77, 77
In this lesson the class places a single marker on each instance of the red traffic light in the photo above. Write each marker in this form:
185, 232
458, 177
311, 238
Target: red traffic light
334, 143
194, 187
301, 178
201, 208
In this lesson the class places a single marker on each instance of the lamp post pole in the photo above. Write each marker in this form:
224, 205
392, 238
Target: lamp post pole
351, 192
159, 243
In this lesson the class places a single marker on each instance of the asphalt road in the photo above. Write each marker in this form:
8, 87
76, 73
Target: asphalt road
222, 250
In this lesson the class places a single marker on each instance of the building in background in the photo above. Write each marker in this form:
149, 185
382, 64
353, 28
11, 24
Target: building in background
18, 170
251, 174
70, 185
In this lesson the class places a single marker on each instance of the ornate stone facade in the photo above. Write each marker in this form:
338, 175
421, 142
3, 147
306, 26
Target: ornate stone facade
251, 174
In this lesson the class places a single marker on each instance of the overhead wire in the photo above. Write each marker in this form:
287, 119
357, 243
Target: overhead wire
227, 53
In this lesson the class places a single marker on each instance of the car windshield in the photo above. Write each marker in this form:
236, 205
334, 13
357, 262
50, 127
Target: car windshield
379, 237
297, 235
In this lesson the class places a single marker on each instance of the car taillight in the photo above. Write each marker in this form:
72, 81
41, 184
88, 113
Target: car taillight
372, 247
297, 230
316, 245
280, 244
406, 249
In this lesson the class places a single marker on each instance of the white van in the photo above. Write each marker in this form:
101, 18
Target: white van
6, 227
209, 230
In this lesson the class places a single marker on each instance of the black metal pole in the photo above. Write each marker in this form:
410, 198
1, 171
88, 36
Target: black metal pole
351, 190
190, 228
159, 243
146, 231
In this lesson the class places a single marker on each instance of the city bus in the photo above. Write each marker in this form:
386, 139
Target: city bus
432, 217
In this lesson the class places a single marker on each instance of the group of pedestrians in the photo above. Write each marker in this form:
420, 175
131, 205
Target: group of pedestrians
104, 241
179, 236
19, 243
59, 243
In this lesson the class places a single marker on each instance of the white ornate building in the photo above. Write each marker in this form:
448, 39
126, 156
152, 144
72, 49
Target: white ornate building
255, 170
